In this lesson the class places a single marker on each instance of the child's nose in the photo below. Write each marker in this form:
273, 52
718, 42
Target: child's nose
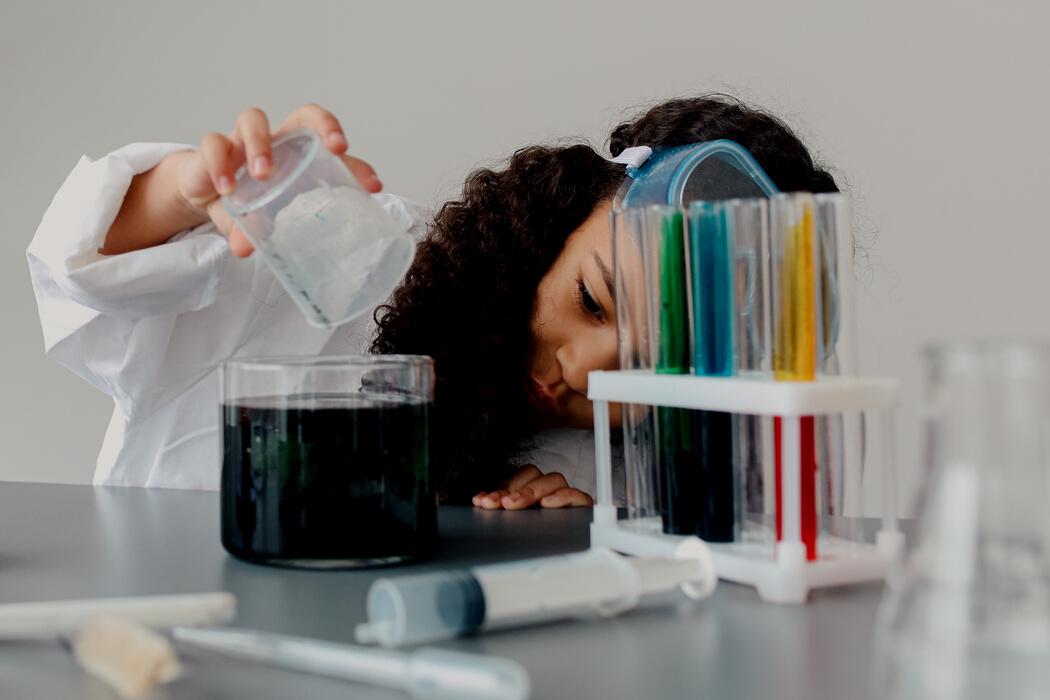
586, 354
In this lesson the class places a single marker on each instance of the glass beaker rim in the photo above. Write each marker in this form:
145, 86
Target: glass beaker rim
279, 362
1032, 345
309, 156
1008, 358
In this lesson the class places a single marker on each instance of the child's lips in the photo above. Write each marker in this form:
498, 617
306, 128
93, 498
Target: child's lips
542, 397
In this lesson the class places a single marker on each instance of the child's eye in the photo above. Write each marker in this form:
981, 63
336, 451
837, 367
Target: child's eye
588, 303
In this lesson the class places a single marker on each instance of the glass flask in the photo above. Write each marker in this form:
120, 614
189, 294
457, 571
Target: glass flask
967, 617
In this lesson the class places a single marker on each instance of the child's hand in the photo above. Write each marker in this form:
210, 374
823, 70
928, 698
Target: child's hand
529, 486
208, 173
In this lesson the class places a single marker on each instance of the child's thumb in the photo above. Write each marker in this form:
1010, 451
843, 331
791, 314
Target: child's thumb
239, 243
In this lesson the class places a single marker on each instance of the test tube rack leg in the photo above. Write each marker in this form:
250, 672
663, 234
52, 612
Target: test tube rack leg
787, 577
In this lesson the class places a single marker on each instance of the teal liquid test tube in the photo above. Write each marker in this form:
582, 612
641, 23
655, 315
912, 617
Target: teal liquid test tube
710, 231
711, 277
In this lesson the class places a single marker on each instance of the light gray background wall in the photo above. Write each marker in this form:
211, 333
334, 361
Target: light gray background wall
933, 113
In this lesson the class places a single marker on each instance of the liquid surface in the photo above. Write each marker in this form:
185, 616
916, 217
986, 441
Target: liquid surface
329, 481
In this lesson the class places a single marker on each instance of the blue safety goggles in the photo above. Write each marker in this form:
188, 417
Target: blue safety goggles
710, 171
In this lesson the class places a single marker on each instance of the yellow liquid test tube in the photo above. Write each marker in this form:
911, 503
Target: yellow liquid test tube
795, 337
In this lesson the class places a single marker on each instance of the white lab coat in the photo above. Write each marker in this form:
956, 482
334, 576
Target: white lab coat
150, 327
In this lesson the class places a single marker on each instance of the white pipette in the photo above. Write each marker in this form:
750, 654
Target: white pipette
425, 674
65, 617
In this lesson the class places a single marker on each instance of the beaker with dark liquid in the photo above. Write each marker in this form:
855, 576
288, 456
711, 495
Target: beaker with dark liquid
326, 460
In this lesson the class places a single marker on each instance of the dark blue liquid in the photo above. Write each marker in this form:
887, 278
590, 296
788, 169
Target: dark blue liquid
333, 482
696, 465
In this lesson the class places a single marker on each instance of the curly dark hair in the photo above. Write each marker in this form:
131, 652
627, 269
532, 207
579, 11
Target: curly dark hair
770, 141
468, 297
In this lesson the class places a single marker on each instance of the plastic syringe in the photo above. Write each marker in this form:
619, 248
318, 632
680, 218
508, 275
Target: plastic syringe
428, 607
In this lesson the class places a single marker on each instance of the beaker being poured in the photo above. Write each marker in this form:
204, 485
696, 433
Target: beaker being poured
968, 616
328, 241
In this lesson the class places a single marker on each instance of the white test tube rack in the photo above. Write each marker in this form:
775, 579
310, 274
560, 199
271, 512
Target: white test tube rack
787, 576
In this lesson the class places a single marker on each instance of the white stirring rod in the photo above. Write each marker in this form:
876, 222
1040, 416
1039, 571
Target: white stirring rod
425, 674
65, 617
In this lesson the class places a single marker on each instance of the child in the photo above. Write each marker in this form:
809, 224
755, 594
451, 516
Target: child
144, 286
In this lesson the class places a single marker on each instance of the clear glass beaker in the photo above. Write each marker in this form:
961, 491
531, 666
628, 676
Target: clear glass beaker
968, 615
326, 460
328, 241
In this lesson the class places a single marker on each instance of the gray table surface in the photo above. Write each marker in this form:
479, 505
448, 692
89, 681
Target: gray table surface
62, 542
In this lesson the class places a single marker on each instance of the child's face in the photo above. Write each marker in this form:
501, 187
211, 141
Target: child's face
573, 327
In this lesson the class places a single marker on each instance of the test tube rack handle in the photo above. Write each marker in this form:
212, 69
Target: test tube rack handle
789, 577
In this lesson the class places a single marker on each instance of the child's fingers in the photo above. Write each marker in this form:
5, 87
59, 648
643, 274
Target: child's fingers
531, 493
491, 501
566, 497
253, 134
320, 120
364, 173
215, 151
239, 244
529, 486
530, 472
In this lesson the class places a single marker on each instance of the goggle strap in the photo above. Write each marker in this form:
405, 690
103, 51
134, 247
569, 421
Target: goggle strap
633, 157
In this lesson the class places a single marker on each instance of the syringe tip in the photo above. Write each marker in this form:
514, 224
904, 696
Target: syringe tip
371, 632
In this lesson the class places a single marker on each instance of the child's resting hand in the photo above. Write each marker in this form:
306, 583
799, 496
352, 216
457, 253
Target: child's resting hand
530, 486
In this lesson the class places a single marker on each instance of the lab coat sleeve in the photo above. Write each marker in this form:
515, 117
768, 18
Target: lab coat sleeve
146, 325
90, 304
64, 257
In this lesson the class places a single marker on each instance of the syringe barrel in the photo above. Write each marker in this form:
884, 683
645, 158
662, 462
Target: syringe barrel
593, 582
422, 608
427, 607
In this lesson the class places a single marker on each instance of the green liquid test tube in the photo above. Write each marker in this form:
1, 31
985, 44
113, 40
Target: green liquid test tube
675, 427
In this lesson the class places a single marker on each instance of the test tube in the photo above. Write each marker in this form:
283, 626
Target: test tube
796, 287
754, 453
711, 276
642, 492
665, 258
839, 436
710, 230
669, 301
